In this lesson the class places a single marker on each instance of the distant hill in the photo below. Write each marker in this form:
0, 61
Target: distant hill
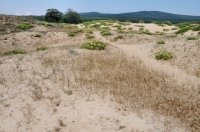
143, 15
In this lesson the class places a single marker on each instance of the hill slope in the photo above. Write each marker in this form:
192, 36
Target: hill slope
144, 15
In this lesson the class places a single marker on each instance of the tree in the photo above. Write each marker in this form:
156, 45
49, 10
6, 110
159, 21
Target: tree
72, 17
53, 15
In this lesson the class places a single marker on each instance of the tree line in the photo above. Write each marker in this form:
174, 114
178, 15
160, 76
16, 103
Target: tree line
54, 15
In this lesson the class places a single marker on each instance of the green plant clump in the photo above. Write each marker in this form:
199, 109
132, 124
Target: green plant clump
42, 48
163, 54
2, 29
95, 44
191, 38
89, 36
118, 37
105, 31
196, 28
15, 51
160, 42
24, 25
71, 34
37, 35
183, 30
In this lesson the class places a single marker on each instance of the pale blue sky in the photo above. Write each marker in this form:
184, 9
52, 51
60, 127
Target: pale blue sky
39, 7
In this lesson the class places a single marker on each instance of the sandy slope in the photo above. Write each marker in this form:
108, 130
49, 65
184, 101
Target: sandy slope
81, 111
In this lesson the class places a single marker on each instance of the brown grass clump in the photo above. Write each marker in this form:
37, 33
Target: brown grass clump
138, 87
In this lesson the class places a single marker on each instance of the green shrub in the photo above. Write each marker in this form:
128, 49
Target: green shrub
159, 33
191, 38
105, 31
146, 31
71, 34
167, 23
2, 29
196, 28
163, 54
15, 51
90, 31
95, 44
165, 30
198, 33
37, 35
89, 36
174, 28
46, 24
183, 30
97, 26
160, 42
141, 21
172, 36
130, 28
42, 48
118, 37
24, 25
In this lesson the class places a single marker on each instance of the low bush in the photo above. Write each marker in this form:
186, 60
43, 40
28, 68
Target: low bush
191, 38
163, 54
174, 28
118, 37
71, 34
160, 42
37, 35
94, 45
183, 30
46, 24
42, 48
15, 51
2, 29
196, 28
89, 36
165, 30
105, 31
24, 25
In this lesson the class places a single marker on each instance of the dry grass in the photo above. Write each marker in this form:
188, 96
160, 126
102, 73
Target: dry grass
135, 86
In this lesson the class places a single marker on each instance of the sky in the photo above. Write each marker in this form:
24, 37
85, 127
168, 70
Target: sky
39, 7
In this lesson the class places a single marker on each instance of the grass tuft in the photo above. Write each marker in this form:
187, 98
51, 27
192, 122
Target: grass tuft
15, 51
42, 48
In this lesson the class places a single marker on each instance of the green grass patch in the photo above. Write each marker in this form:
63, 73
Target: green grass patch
2, 29
46, 24
89, 36
196, 28
24, 25
15, 51
118, 37
163, 54
37, 35
191, 38
174, 29
183, 30
139, 26
42, 48
105, 31
160, 42
94, 45
165, 30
